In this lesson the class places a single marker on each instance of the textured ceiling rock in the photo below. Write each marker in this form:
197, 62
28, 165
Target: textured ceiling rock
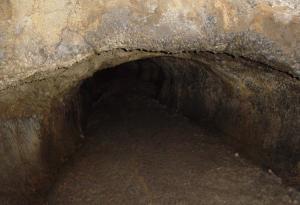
40, 35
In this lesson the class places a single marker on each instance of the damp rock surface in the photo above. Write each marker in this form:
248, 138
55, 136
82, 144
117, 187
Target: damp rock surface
137, 152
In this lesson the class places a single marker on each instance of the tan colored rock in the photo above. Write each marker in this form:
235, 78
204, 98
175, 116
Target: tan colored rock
44, 35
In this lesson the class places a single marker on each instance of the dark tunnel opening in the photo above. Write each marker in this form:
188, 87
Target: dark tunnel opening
195, 128
243, 101
184, 86
153, 128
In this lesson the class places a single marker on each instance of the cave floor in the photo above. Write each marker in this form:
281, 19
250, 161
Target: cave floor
137, 152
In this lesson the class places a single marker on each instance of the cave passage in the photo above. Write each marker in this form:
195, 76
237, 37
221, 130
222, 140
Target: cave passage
141, 148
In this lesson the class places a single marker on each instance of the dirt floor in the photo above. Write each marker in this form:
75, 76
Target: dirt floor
137, 152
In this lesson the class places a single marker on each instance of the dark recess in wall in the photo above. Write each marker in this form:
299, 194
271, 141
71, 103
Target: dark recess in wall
244, 103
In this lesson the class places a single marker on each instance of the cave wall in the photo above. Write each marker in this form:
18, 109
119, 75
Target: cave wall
256, 110
33, 40
40, 127
38, 132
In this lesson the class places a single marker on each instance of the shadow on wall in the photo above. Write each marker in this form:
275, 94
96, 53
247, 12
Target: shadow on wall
256, 109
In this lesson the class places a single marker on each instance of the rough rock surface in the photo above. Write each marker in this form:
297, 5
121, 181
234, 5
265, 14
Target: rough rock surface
45, 35
47, 48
